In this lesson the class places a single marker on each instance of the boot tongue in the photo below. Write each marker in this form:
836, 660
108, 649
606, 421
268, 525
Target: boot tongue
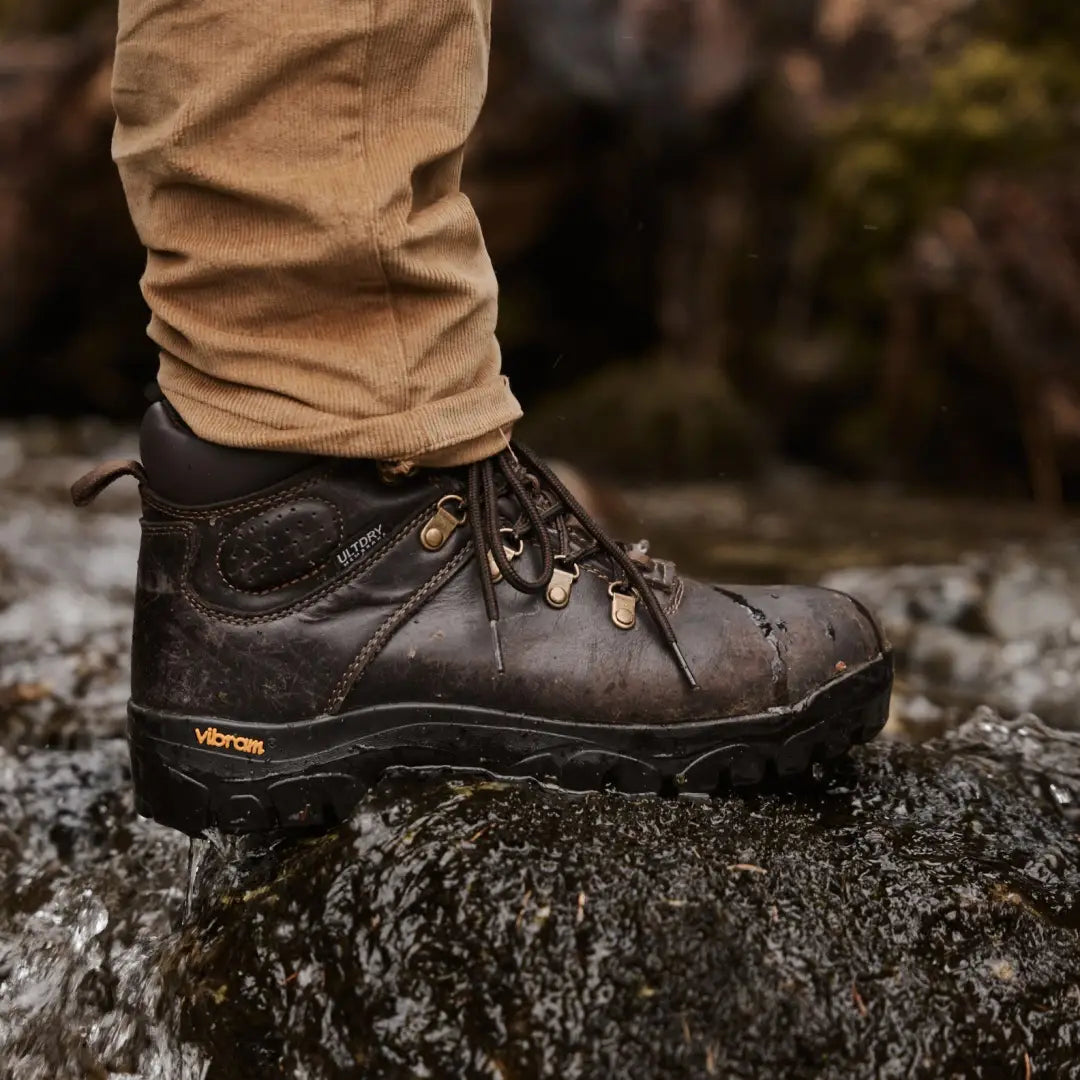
659, 573
578, 540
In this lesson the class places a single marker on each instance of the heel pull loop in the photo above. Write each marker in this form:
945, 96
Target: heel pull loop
87, 488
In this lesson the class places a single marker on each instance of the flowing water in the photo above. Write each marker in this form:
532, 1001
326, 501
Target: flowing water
913, 912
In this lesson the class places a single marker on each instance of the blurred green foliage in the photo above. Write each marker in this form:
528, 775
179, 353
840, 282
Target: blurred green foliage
1006, 102
894, 159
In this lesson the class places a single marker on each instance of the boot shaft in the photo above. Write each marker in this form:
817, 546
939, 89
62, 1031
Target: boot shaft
232, 591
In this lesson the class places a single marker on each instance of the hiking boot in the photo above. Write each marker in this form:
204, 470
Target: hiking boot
304, 624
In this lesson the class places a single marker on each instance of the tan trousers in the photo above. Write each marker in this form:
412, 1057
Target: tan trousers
318, 281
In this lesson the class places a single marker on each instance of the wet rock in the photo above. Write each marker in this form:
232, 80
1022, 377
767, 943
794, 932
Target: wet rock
913, 914
87, 894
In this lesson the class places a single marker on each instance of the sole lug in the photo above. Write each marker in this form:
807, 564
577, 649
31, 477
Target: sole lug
194, 789
748, 769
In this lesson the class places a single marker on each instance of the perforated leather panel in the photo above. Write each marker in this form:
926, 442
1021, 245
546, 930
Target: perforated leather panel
280, 546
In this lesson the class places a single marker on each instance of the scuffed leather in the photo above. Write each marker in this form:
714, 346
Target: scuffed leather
393, 622
204, 647
574, 664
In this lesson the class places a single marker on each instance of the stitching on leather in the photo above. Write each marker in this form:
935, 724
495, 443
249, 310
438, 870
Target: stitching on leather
378, 640
183, 514
677, 598
359, 568
285, 585
162, 528
597, 573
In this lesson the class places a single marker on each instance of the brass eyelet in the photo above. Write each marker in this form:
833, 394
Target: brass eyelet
623, 606
442, 524
562, 582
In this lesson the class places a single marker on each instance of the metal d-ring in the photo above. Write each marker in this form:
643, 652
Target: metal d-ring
623, 606
440, 526
562, 581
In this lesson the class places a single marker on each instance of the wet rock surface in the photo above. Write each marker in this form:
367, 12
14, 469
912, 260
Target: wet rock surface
89, 894
915, 912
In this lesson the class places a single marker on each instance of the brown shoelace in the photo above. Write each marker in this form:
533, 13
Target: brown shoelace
546, 506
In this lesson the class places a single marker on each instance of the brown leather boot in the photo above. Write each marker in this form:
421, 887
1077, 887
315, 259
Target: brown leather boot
304, 624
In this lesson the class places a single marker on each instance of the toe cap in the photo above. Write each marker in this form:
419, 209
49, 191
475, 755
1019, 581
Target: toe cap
812, 634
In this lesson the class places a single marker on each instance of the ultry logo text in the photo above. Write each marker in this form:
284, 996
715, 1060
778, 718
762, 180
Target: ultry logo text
361, 546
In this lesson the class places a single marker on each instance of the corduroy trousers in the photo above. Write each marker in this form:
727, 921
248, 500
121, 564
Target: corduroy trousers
317, 280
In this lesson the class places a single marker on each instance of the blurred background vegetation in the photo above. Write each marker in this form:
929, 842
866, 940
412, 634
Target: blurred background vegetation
730, 233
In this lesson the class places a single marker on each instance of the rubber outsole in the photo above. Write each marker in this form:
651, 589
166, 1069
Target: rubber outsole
311, 775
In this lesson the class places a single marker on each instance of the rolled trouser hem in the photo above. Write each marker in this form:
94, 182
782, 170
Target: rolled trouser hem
456, 430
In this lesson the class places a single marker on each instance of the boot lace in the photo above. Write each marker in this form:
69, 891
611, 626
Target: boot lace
549, 514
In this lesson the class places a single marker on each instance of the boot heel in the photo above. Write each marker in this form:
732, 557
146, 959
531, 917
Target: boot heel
194, 790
